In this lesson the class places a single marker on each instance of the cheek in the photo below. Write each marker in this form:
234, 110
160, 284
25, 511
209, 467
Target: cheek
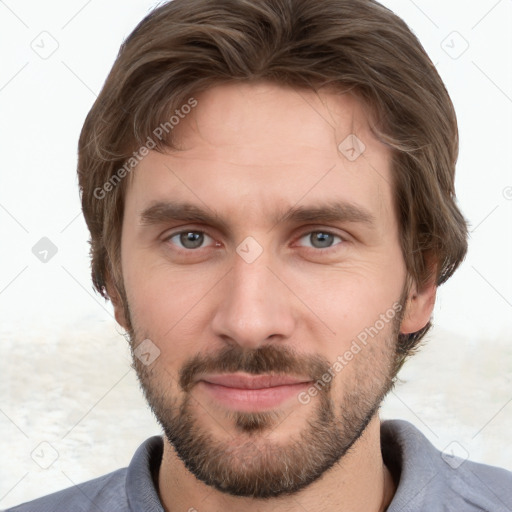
168, 305
365, 362
348, 298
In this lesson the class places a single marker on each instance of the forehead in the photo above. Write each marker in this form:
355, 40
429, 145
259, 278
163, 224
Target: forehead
246, 114
256, 148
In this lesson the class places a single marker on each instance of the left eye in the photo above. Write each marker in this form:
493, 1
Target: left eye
320, 239
189, 239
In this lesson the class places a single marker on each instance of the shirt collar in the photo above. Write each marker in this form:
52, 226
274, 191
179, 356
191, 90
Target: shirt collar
142, 472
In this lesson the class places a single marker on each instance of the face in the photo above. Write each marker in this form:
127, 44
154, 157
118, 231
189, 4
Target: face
265, 285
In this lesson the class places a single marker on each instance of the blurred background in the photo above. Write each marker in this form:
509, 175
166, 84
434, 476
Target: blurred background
70, 406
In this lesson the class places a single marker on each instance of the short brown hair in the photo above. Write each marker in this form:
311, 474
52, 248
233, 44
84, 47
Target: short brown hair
186, 46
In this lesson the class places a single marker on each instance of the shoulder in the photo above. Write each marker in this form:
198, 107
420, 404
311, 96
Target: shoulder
124, 490
433, 480
104, 493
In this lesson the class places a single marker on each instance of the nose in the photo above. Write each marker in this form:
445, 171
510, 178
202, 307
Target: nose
254, 307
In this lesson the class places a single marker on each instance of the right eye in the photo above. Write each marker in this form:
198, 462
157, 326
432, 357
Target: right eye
188, 239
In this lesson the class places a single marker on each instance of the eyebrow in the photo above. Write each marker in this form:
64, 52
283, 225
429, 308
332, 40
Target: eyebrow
332, 211
161, 212
337, 211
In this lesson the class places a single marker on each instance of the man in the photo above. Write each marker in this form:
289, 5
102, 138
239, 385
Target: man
269, 191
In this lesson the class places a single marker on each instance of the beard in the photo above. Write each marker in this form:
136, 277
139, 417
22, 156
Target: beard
249, 464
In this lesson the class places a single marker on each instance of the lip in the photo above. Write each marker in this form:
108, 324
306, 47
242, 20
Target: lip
251, 393
246, 381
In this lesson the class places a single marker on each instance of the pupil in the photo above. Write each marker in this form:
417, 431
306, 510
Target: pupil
191, 240
321, 240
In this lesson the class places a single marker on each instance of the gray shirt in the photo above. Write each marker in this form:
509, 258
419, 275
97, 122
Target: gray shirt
428, 480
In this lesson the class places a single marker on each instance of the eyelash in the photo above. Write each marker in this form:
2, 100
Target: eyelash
316, 249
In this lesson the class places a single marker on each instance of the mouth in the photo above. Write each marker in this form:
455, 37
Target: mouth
252, 393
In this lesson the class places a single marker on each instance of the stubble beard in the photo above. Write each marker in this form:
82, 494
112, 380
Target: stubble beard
248, 464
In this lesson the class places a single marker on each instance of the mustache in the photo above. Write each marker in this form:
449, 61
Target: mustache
266, 359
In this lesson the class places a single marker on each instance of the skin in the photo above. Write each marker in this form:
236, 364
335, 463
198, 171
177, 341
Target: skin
248, 153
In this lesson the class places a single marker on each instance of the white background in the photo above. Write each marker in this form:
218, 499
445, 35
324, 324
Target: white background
64, 365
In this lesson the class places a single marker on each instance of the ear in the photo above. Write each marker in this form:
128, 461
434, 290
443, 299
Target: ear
419, 306
117, 303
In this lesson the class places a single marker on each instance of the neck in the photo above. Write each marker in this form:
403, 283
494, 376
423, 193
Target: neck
359, 482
